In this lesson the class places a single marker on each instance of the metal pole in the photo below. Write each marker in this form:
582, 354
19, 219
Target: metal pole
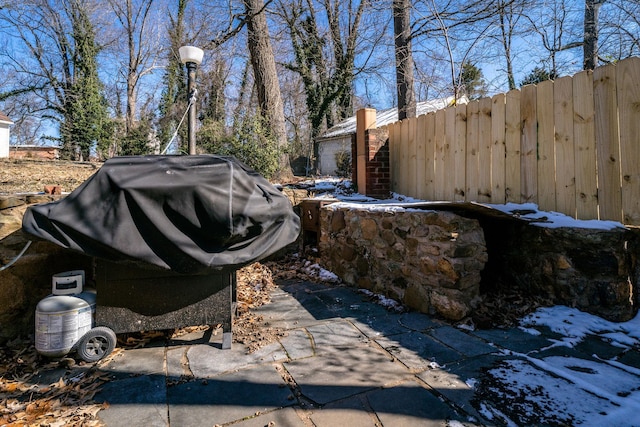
191, 89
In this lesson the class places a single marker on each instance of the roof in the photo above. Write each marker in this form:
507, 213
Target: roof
5, 119
385, 117
34, 147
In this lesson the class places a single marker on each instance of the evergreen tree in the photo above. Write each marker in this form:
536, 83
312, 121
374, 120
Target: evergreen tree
136, 142
472, 81
173, 102
537, 75
85, 109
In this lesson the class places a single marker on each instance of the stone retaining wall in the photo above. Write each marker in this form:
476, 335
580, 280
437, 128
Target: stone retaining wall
441, 262
430, 261
595, 270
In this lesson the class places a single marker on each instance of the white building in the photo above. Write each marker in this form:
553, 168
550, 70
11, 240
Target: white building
5, 122
338, 138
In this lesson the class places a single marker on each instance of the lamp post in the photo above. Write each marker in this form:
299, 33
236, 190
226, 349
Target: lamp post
191, 56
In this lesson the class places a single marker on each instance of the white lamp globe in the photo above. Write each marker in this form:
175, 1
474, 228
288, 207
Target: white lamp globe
191, 54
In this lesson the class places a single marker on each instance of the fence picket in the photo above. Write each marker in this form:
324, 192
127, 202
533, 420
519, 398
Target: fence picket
528, 145
628, 91
564, 145
585, 148
512, 147
498, 149
473, 110
449, 154
608, 137
546, 146
460, 152
412, 170
421, 151
404, 157
430, 155
439, 160
484, 150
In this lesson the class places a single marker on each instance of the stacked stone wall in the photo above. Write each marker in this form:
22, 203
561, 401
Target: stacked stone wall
431, 261
441, 262
595, 270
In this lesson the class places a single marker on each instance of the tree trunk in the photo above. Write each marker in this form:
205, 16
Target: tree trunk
404, 59
266, 78
131, 72
590, 47
506, 30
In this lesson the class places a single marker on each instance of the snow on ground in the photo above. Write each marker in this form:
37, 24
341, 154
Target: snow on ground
575, 325
564, 389
550, 390
314, 270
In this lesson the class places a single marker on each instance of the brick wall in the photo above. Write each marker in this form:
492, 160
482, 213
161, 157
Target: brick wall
378, 170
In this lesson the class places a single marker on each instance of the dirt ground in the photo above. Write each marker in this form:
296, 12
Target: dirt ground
31, 176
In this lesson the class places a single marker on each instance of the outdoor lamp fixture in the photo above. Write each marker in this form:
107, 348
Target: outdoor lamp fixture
191, 56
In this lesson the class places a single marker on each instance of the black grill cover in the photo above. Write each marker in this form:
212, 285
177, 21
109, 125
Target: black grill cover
189, 214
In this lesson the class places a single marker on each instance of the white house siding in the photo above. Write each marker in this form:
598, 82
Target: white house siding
4, 139
327, 153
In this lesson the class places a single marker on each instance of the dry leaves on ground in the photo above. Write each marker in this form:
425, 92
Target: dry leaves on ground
69, 400
255, 284
502, 309
25, 402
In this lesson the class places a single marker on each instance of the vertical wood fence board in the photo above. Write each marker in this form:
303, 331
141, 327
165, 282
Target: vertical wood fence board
471, 185
512, 147
460, 153
528, 145
421, 153
585, 146
608, 143
484, 150
628, 90
440, 172
394, 155
403, 180
498, 149
546, 146
449, 153
412, 172
430, 155
564, 146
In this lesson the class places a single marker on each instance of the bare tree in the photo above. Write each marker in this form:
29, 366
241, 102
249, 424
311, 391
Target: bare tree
590, 48
404, 59
556, 25
446, 34
324, 57
57, 61
173, 101
510, 13
619, 30
266, 80
141, 50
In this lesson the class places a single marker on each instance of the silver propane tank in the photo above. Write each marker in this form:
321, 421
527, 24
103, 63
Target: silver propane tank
65, 316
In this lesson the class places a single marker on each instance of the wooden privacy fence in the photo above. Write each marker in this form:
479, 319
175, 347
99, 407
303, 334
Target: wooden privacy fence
571, 145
